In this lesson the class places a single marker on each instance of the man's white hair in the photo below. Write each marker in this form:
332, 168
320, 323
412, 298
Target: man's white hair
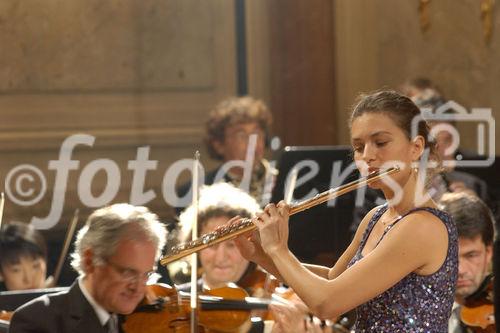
219, 199
107, 226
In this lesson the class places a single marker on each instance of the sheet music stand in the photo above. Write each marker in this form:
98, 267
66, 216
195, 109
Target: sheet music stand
320, 234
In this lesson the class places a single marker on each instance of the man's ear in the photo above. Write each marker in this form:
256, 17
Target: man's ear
489, 253
218, 147
87, 261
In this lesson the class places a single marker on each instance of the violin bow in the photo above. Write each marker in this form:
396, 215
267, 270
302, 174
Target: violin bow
67, 241
292, 181
2, 203
194, 256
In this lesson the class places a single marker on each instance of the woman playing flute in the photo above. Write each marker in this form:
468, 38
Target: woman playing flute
400, 269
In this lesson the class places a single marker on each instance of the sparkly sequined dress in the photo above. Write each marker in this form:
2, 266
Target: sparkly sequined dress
416, 303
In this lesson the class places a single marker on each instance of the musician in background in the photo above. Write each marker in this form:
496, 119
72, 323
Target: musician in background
221, 263
229, 128
475, 226
427, 96
496, 272
420, 89
450, 180
115, 254
23, 257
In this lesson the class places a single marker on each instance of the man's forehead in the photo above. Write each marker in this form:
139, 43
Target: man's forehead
242, 126
475, 242
132, 245
134, 251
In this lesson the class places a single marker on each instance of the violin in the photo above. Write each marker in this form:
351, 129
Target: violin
165, 310
6, 315
259, 283
478, 312
262, 284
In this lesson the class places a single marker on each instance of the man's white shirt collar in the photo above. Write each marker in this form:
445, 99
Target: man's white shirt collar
101, 313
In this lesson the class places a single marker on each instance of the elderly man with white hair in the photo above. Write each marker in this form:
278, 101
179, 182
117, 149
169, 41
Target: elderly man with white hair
115, 254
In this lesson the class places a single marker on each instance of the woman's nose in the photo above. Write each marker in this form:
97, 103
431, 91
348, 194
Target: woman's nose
368, 153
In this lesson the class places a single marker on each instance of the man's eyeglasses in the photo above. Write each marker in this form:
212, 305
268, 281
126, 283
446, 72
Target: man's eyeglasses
130, 275
243, 136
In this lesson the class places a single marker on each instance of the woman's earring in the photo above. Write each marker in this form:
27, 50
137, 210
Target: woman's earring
414, 168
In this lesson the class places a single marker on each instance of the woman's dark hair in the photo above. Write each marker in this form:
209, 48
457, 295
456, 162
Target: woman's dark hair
235, 110
470, 214
18, 240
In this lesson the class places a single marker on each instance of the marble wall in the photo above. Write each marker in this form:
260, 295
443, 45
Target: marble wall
380, 44
129, 73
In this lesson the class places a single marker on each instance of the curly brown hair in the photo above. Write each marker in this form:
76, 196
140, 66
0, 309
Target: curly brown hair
231, 111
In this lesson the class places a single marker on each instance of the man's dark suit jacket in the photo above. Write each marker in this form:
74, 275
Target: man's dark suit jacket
57, 313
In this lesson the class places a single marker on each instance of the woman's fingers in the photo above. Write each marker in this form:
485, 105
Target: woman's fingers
258, 222
262, 217
255, 237
283, 209
234, 219
245, 246
288, 317
271, 209
313, 325
271, 213
281, 308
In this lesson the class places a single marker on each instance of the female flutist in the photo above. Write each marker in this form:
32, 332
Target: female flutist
400, 269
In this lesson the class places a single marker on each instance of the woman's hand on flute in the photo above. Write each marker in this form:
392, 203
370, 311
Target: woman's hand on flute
249, 245
272, 224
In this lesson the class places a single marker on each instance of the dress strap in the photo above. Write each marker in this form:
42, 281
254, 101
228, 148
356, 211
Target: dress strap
389, 227
381, 210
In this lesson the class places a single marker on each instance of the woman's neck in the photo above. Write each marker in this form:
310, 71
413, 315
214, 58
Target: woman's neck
413, 195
